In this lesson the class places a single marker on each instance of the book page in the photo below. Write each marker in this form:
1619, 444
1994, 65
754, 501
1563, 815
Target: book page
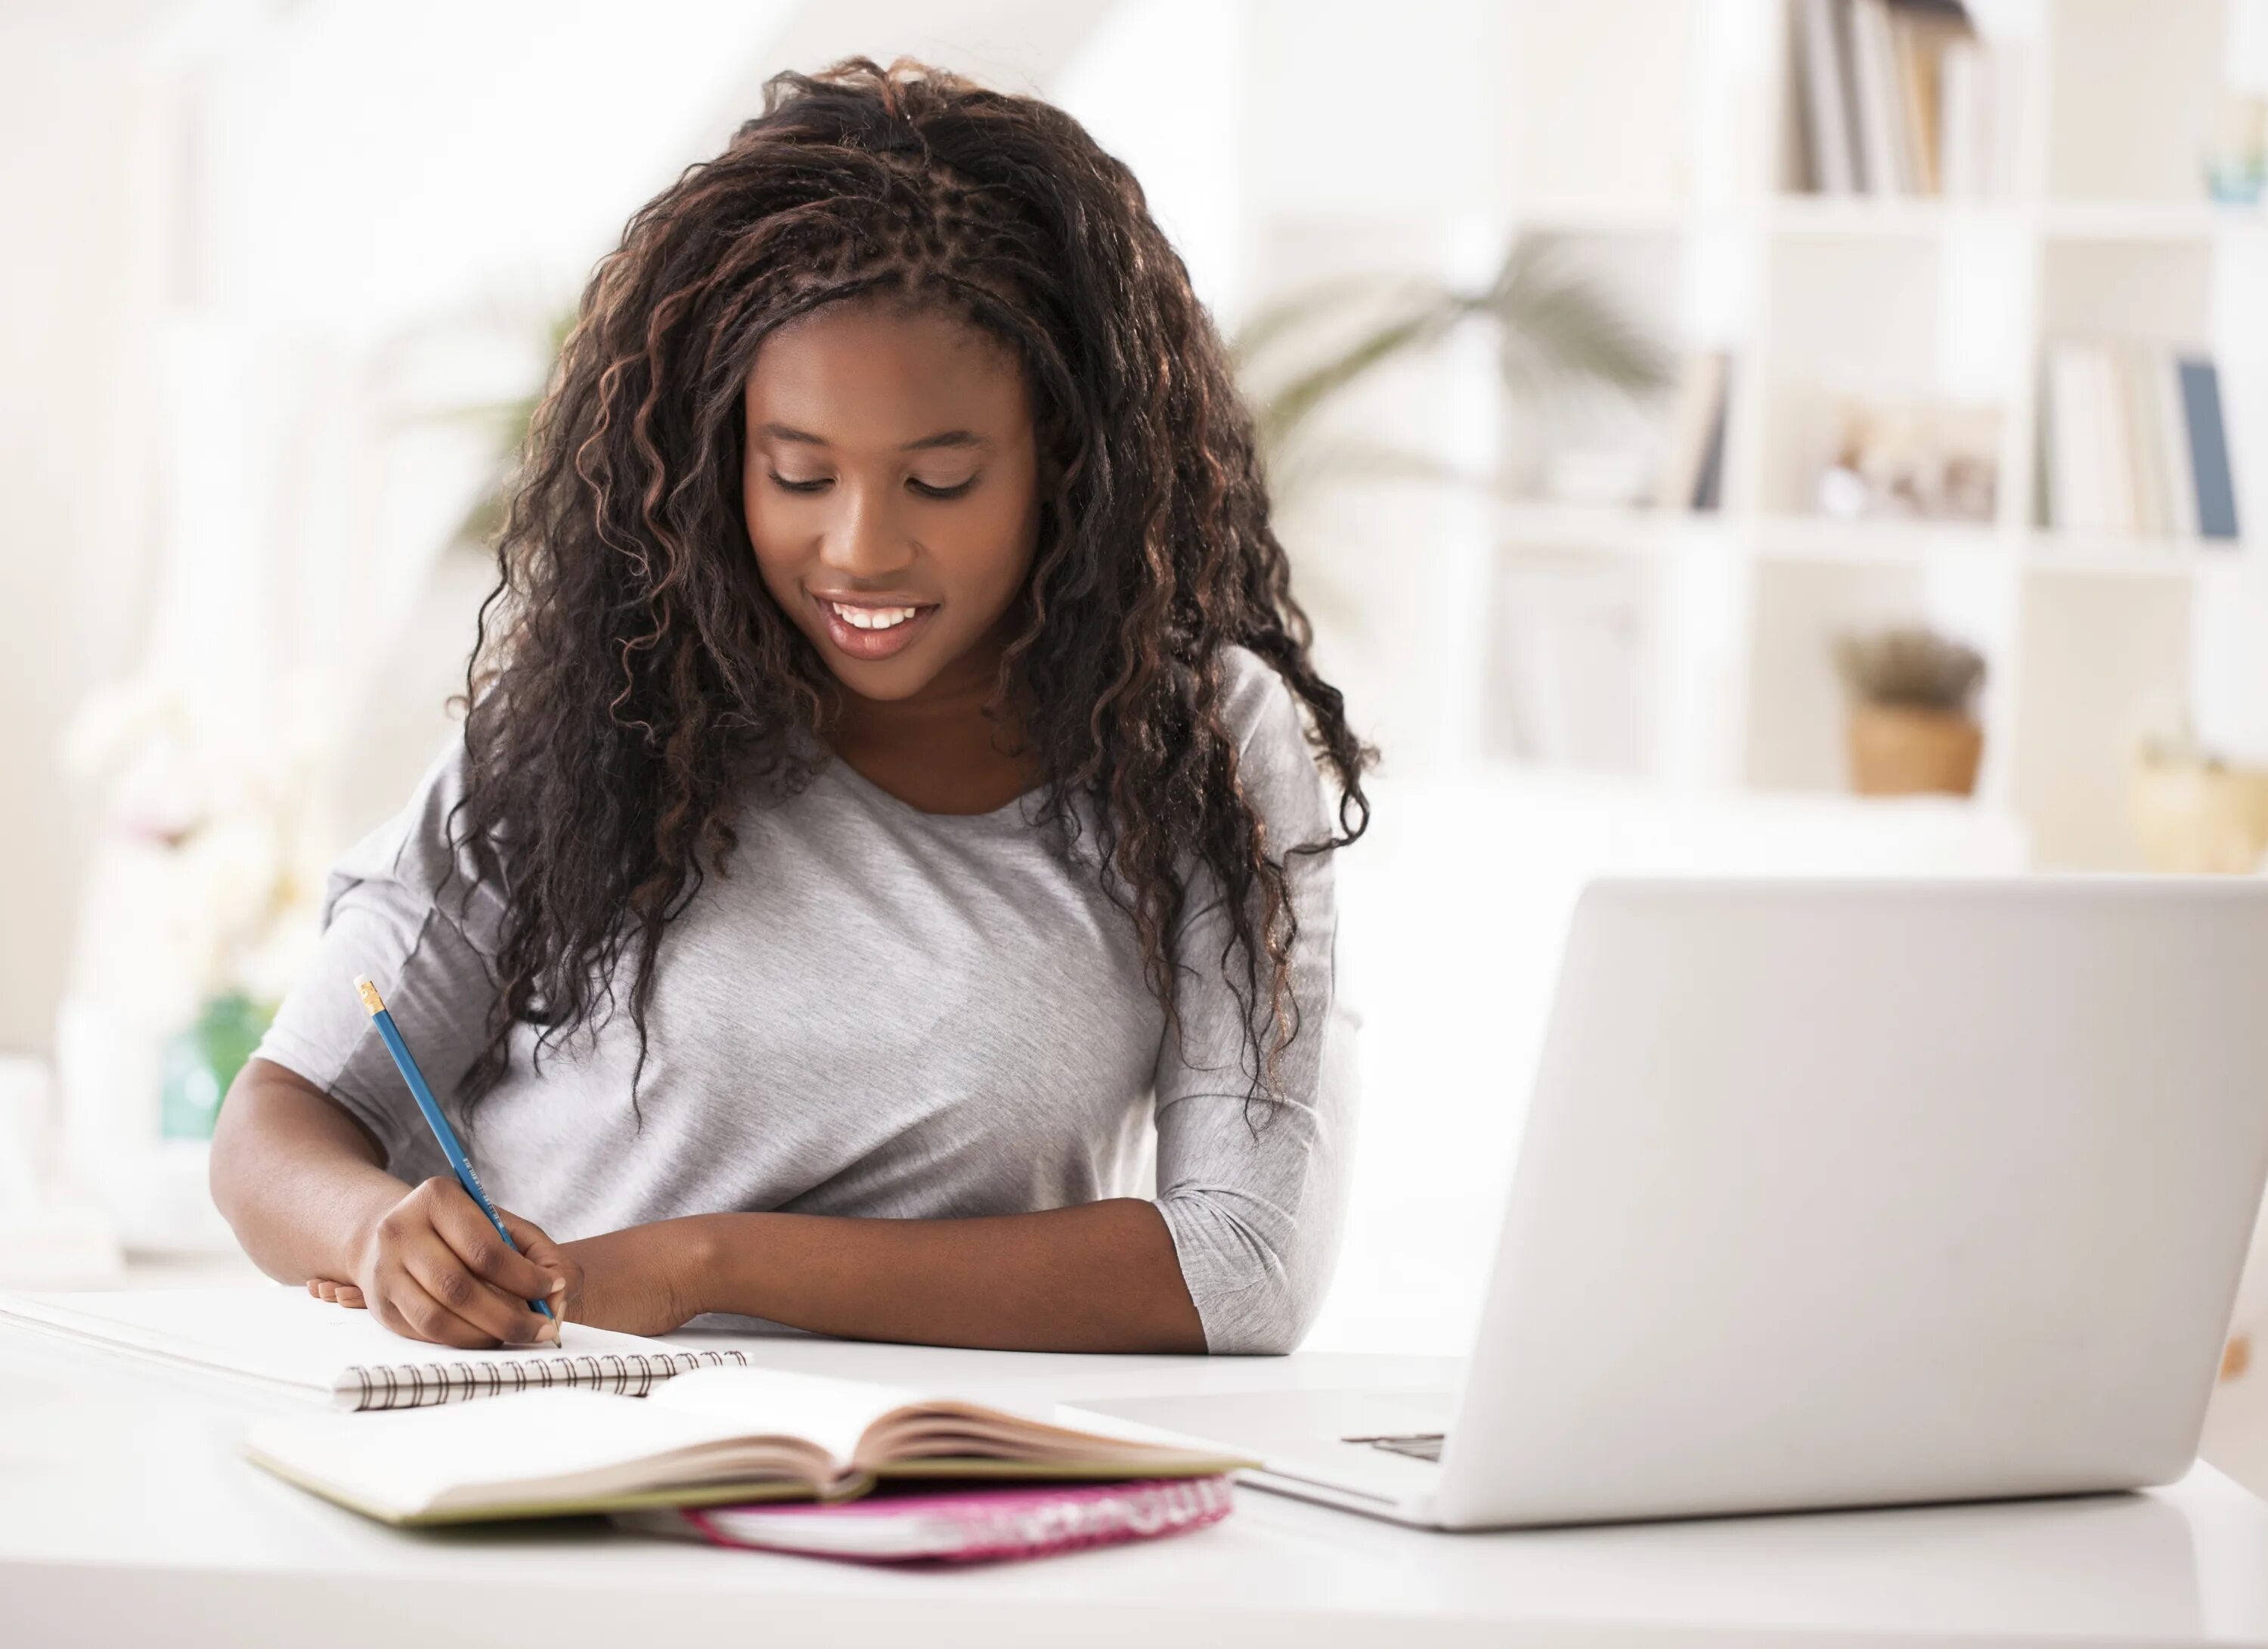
921, 1437
530, 1445
868, 1426
830, 1412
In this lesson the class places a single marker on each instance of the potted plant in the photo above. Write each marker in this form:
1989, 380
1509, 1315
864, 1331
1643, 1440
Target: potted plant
1912, 729
197, 910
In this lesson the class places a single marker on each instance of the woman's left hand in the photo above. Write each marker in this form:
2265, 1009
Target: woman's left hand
635, 1281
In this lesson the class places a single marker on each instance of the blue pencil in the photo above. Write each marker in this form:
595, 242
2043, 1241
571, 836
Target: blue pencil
434, 1120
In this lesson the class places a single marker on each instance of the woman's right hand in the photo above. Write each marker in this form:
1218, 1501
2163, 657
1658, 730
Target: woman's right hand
432, 1268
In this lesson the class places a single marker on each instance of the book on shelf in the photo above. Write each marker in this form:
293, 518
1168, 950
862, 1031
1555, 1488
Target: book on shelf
1883, 164
717, 1436
2132, 441
2168, 423
1822, 79
1693, 468
2216, 489
1914, 37
1963, 128
1709, 490
1903, 97
2113, 439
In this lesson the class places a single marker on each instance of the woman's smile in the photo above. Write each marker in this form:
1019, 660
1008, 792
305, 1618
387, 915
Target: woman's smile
864, 627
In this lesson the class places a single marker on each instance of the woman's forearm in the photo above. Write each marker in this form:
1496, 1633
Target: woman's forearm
297, 1178
301, 1182
1102, 1277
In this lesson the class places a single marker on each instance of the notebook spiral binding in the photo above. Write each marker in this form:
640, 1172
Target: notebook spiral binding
421, 1385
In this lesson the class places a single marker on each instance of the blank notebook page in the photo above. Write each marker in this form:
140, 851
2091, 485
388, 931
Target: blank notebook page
285, 1337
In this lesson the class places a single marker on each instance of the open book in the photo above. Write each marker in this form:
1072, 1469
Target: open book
282, 1339
709, 1437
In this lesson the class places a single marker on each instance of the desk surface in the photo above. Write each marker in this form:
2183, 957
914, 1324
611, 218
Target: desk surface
126, 1516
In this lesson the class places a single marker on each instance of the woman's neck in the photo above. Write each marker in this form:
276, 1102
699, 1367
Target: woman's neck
937, 750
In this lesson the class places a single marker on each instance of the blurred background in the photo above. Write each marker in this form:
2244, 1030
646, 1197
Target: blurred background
1712, 435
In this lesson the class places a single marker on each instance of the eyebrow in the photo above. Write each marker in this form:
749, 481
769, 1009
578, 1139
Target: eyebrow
943, 437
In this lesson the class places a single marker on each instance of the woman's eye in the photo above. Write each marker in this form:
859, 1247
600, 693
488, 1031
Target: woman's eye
922, 487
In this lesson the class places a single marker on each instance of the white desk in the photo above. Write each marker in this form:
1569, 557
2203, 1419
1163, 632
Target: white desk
125, 1518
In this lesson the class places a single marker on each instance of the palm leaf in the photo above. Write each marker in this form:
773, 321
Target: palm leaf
1292, 406
1311, 460
1304, 306
1554, 328
1558, 330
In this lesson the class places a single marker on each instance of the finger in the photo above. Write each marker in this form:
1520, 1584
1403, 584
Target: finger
347, 1295
482, 1252
544, 1254
410, 1309
531, 1238
440, 1271
402, 1304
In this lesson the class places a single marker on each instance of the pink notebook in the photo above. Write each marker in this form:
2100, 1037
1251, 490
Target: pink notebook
965, 1525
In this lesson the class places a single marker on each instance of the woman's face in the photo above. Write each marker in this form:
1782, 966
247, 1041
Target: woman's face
892, 490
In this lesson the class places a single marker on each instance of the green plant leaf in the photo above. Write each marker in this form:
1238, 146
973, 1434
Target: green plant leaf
1305, 306
1558, 332
1556, 327
1297, 402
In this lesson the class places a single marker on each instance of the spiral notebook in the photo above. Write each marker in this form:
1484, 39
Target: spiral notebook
283, 1339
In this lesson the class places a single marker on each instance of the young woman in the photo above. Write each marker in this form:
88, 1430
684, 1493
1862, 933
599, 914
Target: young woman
893, 697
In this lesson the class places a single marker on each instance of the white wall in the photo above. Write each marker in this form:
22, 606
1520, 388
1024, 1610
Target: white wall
78, 293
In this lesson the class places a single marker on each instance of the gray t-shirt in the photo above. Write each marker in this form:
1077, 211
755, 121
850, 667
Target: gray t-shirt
877, 1012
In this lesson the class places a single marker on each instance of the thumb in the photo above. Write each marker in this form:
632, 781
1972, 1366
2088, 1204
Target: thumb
530, 1240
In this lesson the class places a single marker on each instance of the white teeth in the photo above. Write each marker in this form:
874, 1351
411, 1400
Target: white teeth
871, 617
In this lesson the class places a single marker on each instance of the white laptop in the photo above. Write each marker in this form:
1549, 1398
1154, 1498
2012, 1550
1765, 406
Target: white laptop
1840, 1194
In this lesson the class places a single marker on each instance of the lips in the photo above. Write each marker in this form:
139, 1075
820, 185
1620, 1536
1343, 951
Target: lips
869, 629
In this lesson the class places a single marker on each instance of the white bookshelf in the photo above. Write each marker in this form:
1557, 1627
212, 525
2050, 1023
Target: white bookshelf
1657, 143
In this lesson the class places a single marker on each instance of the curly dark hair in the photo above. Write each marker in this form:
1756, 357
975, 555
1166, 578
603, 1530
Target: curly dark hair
630, 671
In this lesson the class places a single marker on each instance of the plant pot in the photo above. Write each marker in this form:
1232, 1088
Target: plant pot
1897, 750
2199, 816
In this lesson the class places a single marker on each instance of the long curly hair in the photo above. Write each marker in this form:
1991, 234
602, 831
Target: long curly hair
631, 673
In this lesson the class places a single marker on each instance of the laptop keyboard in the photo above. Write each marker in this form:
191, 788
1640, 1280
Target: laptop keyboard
1415, 1445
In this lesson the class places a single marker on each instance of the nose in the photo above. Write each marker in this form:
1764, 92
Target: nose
866, 539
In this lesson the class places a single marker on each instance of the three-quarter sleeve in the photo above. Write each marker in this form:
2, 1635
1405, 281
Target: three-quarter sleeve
1255, 1204
428, 947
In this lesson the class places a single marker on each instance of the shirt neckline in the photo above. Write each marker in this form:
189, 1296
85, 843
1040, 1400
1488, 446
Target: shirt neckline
1009, 812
